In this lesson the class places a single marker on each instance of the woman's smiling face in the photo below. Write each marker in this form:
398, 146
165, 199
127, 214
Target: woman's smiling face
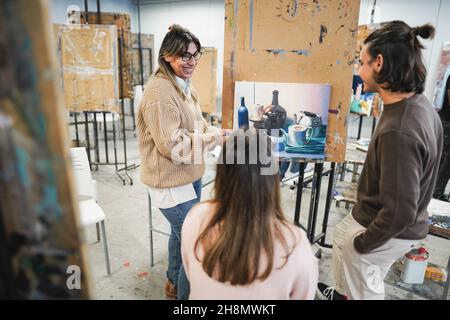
184, 69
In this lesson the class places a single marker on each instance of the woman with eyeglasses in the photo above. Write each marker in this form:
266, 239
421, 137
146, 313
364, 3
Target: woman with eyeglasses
172, 137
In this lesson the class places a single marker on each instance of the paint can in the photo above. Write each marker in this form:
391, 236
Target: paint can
415, 265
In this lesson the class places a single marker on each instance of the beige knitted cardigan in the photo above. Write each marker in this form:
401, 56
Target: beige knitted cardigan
172, 136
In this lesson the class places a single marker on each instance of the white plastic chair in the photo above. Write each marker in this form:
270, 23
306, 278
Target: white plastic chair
90, 212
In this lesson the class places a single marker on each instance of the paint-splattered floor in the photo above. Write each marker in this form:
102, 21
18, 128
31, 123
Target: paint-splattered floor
126, 211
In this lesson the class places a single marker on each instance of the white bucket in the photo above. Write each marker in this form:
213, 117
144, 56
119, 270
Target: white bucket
415, 265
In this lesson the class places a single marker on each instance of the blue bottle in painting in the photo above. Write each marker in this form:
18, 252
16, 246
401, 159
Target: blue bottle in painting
243, 115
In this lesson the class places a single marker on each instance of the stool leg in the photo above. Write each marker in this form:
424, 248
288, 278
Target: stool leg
105, 247
354, 173
97, 225
150, 229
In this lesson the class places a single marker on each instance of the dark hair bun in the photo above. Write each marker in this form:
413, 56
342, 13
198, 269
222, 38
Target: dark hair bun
176, 28
426, 31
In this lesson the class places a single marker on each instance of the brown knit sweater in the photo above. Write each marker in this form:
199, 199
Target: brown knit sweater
166, 125
399, 174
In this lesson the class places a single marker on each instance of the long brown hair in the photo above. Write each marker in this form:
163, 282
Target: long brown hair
247, 219
402, 69
175, 42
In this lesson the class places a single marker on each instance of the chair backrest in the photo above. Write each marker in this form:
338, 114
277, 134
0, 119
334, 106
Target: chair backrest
82, 172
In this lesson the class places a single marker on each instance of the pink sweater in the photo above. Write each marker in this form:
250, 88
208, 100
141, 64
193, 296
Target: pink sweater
296, 280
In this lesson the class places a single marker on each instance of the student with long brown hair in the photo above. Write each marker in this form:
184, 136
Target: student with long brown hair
239, 245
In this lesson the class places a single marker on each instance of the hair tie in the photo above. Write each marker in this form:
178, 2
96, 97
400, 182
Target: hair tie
413, 35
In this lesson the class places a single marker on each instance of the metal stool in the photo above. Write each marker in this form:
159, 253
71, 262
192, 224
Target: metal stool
205, 182
447, 284
151, 229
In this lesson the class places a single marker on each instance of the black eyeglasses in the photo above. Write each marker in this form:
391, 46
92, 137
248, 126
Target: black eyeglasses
187, 56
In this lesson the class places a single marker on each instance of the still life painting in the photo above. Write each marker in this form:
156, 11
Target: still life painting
295, 115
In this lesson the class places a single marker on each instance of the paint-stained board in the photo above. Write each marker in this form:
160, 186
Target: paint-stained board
443, 73
89, 66
41, 236
309, 41
123, 23
205, 80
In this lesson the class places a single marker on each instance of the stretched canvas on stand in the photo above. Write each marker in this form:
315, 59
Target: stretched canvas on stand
366, 102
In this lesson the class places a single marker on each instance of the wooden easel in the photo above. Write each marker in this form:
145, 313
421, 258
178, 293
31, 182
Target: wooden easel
39, 222
296, 42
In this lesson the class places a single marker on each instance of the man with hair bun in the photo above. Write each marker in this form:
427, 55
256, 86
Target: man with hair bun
399, 174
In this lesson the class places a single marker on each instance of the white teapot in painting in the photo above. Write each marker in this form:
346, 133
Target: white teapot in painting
310, 120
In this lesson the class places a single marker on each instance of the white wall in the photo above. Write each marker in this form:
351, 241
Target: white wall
59, 8
415, 13
204, 18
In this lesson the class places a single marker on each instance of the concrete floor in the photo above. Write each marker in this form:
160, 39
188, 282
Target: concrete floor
126, 209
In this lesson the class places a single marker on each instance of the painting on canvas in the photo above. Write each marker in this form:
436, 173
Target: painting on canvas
442, 76
304, 129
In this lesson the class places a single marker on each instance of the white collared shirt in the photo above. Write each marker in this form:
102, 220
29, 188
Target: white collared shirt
170, 197
185, 85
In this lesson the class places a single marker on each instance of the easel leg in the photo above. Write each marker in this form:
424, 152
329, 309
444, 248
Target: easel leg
328, 203
298, 200
316, 187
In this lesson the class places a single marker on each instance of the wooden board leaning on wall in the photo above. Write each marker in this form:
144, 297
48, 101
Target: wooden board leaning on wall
42, 245
293, 41
88, 65
123, 23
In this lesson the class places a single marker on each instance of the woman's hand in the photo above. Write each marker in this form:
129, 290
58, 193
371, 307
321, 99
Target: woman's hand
226, 132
